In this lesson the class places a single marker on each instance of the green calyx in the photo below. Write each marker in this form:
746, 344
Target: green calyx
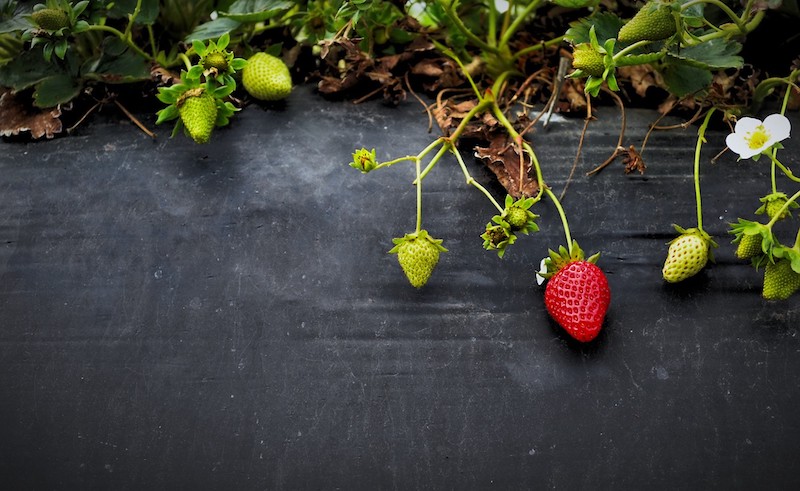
773, 204
364, 160
557, 260
698, 232
421, 235
176, 96
742, 232
216, 62
516, 217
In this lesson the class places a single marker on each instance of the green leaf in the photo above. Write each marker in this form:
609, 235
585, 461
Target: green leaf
256, 10
606, 26
576, 4
147, 14
168, 113
213, 29
199, 47
683, 79
61, 48
27, 70
692, 16
55, 90
117, 64
714, 54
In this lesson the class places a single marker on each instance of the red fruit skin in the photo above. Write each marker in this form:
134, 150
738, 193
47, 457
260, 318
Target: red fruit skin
577, 297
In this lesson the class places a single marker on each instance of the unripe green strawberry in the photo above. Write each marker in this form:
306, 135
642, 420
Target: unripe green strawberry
780, 280
267, 78
588, 60
51, 19
749, 246
516, 217
418, 254
687, 255
651, 23
773, 207
198, 111
216, 60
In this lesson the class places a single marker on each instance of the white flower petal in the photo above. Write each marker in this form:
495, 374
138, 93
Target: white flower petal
542, 269
779, 127
739, 145
746, 125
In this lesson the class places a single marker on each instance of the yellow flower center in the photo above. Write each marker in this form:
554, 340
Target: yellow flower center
757, 138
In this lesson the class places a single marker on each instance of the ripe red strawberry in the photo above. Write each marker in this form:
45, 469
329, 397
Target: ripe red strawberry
577, 295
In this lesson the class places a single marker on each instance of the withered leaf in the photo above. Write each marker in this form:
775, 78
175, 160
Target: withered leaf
633, 161
503, 159
18, 117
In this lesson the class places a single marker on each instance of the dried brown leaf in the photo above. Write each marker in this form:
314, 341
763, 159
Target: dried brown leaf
641, 77
503, 159
18, 117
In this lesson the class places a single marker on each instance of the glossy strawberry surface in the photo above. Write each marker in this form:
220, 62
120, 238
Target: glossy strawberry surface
577, 298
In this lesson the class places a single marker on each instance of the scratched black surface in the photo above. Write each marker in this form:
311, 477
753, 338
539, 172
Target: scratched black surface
175, 316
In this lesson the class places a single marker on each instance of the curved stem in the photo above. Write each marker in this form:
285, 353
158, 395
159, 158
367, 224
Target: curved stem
739, 21
122, 37
186, 61
780, 212
132, 18
700, 140
472, 182
536, 47
632, 47
783, 168
449, 10
517, 22
731, 31
563, 216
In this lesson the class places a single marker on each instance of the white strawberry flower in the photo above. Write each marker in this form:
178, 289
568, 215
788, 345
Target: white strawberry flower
751, 136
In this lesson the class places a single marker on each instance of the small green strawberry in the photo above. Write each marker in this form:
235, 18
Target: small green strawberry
780, 280
198, 111
653, 22
267, 78
51, 19
749, 246
588, 60
773, 204
687, 255
418, 254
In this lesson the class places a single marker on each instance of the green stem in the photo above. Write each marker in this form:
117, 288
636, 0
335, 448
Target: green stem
563, 216
728, 31
739, 21
536, 47
449, 10
432, 163
517, 22
491, 36
132, 18
700, 140
780, 212
783, 168
479, 108
122, 37
632, 47
153, 47
471, 181
418, 183
186, 61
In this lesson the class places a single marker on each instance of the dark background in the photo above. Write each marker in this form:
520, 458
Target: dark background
176, 316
